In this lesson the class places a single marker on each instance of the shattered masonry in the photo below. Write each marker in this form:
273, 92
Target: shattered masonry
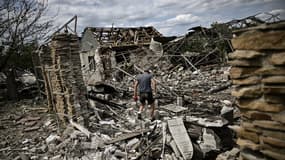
258, 74
63, 77
194, 107
113, 129
104, 48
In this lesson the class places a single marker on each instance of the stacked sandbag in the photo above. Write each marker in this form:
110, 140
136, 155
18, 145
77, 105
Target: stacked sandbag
258, 73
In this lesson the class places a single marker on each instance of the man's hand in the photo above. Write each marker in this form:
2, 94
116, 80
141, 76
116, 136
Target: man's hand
135, 97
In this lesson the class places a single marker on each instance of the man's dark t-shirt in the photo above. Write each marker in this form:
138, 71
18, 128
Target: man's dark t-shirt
144, 81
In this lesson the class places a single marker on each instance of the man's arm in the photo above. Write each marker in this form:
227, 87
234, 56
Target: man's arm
153, 86
136, 88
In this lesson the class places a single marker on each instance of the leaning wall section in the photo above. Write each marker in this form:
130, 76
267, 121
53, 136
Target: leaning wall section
64, 81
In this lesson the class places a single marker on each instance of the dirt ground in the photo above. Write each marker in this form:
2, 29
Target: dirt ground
23, 126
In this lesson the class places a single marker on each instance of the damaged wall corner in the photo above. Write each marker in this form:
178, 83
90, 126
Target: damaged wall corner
156, 47
104, 48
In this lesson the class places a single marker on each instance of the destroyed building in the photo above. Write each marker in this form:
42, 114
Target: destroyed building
196, 116
104, 48
190, 128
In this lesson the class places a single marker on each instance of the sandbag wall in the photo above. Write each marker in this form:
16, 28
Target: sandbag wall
258, 73
64, 77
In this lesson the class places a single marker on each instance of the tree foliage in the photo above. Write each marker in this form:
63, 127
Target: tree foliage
22, 25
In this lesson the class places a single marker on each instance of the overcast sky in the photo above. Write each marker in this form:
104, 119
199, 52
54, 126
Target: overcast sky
170, 17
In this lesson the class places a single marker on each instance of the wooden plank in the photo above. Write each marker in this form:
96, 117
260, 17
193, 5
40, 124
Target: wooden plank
31, 129
81, 128
48, 87
43, 93
181, 138
41, 80
173, 108
148, 147
127, 136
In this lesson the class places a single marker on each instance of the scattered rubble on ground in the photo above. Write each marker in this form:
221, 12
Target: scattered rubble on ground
114, 132
26, 84
194, 108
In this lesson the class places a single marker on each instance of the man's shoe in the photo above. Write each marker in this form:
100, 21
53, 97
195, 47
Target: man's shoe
139, 115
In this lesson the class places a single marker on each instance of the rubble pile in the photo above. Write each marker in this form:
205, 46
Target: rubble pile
197, 88
258, 75
204, 116
117, 135
195, 115
114, 132
23, 127
27, 86
193, 109
25, 81
200, 46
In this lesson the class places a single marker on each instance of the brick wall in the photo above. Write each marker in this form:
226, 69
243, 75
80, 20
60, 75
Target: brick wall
62, 68
258, 75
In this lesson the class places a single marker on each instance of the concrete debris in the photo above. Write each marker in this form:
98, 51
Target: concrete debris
193, 101
173, 108
52, 138
207, 122
114, 132
229, 155
210, 142
88, 85
181, 137
28, 79
228, 114
26, 84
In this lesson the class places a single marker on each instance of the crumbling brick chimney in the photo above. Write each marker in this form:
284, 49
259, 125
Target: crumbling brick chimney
65, 88
258, 73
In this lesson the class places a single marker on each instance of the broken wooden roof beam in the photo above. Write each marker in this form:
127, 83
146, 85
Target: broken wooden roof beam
112, 104
128, 136
148, 147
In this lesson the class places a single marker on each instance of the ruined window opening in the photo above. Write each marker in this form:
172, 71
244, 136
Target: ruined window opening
91, 62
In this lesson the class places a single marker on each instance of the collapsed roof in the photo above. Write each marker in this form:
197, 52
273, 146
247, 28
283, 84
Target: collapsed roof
118, 36
254, 20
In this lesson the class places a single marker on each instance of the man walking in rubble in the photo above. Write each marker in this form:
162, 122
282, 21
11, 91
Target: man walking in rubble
146, 85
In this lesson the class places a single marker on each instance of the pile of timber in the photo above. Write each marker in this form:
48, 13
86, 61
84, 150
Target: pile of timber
258, 73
